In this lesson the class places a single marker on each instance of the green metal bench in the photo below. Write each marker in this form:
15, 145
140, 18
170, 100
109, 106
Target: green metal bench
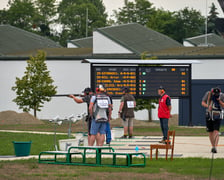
81, 150
56, 160
129, 158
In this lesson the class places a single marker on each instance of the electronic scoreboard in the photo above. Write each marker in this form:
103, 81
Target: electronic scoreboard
144, 80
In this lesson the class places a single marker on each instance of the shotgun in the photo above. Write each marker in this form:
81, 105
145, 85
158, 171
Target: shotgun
62, 95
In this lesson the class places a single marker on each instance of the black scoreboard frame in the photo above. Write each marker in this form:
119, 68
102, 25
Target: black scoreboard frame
138, 66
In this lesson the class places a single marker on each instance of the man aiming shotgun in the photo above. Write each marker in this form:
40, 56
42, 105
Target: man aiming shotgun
85, 99
67, 95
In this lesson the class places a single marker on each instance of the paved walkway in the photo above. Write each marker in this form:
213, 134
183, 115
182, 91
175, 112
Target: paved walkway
185, 146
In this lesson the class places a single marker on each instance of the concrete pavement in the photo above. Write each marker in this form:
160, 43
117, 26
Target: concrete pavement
185, 146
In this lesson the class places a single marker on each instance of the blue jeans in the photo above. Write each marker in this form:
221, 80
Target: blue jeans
164, 127
108, 133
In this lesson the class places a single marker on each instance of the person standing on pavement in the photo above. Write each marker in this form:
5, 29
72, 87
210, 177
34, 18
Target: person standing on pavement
213, 101
100, 111
88, 93
108, 130
126, 112
164, 110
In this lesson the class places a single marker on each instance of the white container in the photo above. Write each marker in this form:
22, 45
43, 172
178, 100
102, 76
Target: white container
64, 144
117, 132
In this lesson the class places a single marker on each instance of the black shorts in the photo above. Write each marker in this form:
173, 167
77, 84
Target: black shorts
213, 125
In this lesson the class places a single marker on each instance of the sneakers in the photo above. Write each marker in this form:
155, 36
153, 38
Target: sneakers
123, 137
167, 142
214, 150
130, 137
89, 150
162, 141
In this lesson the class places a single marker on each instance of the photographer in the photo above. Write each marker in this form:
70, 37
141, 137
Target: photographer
213, 101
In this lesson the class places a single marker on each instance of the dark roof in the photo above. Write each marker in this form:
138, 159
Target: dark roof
138, 38
57, 52
15, 40
212, 40
83, 42
191, 52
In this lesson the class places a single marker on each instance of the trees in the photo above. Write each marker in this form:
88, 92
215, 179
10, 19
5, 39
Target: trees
46, 13
188, 23
73, 18
21, 14
213, 15
36, 86
147, 104
139, 11
163, 22
177, 25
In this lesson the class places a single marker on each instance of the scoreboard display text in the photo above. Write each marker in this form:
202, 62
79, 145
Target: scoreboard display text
143, 81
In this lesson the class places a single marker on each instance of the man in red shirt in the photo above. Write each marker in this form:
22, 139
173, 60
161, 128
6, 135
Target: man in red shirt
164, 112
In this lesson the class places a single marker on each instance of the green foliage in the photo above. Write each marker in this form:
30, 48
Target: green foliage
189, 23
146, 104
4, 17
21, 14
46, 12
73, 14
163, 22
177, 25
213, 15
139, 11
36, 86
38, 16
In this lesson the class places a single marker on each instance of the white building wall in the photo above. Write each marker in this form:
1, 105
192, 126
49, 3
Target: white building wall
208, 69
104, 45
73, 77
9, 70
71, 45
187, 44
69, 76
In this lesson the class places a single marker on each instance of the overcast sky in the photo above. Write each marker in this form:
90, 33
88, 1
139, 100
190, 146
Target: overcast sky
171, 5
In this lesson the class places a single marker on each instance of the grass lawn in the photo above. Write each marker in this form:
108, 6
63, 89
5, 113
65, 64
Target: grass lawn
40, 142
187, 168
141, 128
179, 168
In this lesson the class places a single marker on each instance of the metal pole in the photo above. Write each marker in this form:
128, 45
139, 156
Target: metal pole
55, 145
206, 22
86, 22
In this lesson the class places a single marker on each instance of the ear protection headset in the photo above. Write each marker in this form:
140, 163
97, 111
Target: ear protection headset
162, 89
87, 90
216, 90
126, 89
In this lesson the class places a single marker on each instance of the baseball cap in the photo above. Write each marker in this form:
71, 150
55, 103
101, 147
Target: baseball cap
87, 90
126, 89
216, 90
161, 87
101, 87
